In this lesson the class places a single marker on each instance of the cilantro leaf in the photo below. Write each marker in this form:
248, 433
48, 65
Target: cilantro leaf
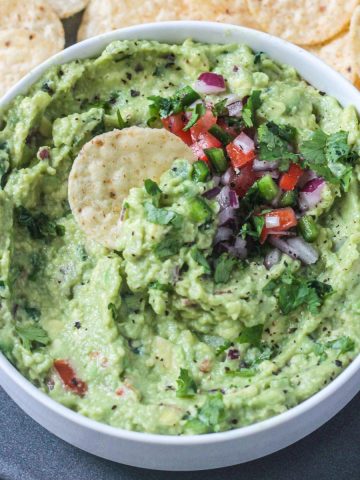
343, 344
274, 144
164, 287
160, 216
329, 156
32, 334
167, 247
223, 347
249, 110
213, 411
121, 121
251, 335
295, 291
38, 225
186, 386
161, 107
152, 189
197, 113
33, 312
200, 259
224, 267
219, 109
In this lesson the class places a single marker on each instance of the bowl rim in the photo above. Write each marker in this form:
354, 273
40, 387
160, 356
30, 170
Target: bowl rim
97, 43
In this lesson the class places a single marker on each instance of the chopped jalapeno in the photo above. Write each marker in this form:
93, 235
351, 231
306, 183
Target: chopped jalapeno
308, 228
217, 159
268, 188
288, 199
221, 134
199, 210
200, 172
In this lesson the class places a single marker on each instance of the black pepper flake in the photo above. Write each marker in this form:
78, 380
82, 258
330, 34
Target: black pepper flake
134, 93
129, 76
114, 407
338, 363
77, 325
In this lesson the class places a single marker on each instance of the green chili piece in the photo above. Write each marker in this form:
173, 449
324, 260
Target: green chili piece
200, 171
288, 199
217, 159
199, 210
308, 228
221, 134
267, 188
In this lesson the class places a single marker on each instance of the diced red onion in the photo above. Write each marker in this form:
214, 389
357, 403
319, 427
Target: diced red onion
227, 177
228, 198
296, 248
226, 216
232, 98
275, 174
272, 221
306, 177
210, 82
216, 180
262, 165
212, 193
310, 196
240, 248
235, 109
222, 235
244, 142
272, 258
233, 354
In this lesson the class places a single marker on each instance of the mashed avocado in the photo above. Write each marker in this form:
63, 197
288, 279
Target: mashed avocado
161, 335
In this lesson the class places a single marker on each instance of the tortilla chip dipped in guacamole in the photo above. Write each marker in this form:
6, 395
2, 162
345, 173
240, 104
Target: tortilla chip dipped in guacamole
229, 290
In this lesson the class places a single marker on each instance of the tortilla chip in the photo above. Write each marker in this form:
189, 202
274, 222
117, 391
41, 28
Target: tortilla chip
67, 8
15, 60
34, 15
337, 54
111, 164
355, 44
112, 14
236, 12
305, 22
96, 19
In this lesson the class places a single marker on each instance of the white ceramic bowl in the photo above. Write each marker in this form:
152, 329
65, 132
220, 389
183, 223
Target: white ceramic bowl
199, 451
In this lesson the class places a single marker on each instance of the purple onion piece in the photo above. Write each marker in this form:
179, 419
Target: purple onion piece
234, 199
235, 109
262, 165
296, 248
310, 197
228, 176
228, 198
312, 185
272, 258
306, 177
216, 180
233, 354
227, 216
223, 234
240, 248
212, 193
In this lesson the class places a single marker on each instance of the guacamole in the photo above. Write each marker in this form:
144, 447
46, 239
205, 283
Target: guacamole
214, 312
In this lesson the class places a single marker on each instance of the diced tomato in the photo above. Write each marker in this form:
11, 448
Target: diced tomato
238, 157
175, 125
205, 140
289, 180
243, 180
287, 219
69, 378
202, 125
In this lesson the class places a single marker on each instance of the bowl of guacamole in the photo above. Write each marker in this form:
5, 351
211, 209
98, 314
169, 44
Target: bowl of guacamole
223, 313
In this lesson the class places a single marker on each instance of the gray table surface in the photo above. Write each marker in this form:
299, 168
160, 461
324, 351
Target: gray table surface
29, 452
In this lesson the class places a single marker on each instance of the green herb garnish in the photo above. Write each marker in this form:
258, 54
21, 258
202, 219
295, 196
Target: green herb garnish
224, 266
200, 259
249, 110
186, 386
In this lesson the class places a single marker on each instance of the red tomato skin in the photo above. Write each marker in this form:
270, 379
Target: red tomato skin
287, 220
175, 125
289, 180
205, 140
69, 378
237, 157
242, 181
202, 125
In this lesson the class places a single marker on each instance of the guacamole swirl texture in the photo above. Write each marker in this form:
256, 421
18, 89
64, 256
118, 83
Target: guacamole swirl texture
157, 336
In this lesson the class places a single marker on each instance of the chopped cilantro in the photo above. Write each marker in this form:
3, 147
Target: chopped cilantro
274, 144
223, 268
114, 311
32, 334
251, 335
329, 156
249, 110
200, 259
212, 412
257, 57
343, 344
32, 312
160, 216
223, 347
152, 189
167, 247
164, 287
186, 386
295, 291
38, 225
121, 121
219, 109
164, 107
197, 113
